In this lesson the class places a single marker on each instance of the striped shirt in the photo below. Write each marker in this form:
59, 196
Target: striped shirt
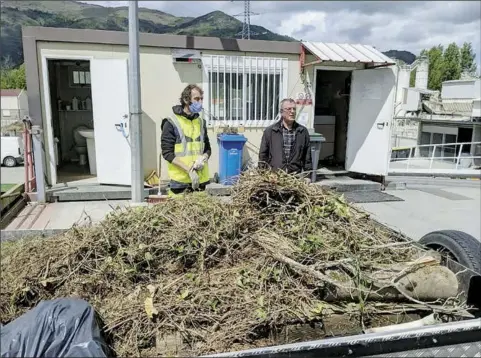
289, 136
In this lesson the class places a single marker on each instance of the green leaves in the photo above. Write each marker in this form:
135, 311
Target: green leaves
13, 78
446, 64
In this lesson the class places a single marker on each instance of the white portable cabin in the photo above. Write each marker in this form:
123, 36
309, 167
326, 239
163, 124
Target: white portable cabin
365, 80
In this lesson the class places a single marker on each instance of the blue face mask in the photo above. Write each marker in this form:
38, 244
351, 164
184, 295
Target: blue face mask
195, 107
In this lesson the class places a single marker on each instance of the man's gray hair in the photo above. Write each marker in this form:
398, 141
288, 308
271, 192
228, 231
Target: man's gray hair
290, 100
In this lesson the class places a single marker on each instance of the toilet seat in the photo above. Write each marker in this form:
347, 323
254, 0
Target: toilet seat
78, 139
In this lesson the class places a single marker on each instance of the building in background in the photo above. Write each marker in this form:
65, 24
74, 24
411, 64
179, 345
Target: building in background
14, 106
78, 96
445, 127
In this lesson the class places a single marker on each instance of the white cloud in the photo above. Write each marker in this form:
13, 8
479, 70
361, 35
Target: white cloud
304, 25
397, 25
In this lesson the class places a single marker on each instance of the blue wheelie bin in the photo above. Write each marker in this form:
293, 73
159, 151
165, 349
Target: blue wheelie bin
230, 157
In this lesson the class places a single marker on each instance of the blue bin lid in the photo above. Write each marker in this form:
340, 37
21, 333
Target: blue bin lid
224, 137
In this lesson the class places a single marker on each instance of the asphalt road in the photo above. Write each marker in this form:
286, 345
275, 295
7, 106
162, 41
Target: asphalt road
431, 205
15, 175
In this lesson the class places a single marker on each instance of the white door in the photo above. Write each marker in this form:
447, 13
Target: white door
370, 118
110, 106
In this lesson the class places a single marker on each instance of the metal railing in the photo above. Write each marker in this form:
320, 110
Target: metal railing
446, 158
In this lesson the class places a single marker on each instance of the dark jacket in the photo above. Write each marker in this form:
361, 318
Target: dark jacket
170, 137
271, 154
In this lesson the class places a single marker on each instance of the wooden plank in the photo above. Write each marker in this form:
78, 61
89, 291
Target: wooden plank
9, 197
7, 218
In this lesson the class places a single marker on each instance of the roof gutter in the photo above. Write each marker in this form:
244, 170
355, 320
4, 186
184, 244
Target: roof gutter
380, 65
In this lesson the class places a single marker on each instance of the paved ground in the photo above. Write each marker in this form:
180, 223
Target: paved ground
14, 175
432, 205
63, 215
429, 205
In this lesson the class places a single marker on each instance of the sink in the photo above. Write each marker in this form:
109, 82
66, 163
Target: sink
87, 133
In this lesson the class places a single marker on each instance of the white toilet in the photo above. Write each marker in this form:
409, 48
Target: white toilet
80, 144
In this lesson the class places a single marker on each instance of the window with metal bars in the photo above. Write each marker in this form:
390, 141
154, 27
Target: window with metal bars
242, 90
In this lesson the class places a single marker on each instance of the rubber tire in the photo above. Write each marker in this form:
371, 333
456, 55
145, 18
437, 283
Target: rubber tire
464, 248
10, 159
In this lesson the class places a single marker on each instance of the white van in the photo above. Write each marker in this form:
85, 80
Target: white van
11, 149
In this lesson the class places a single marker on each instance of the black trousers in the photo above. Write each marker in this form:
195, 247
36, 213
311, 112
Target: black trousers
188, 189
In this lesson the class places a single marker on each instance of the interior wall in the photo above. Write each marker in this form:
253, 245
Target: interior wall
68, 120
331, 111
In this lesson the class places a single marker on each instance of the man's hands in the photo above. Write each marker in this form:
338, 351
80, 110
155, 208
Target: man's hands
199, 163
192, 170
194, 177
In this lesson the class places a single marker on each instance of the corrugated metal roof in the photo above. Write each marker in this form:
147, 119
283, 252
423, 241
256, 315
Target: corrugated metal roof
347, 53
458, 107
10, 92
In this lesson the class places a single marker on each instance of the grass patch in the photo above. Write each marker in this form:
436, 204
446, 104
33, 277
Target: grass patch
5, 187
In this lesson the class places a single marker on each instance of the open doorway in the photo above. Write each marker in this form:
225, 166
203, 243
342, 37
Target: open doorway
331, 112
72, 119
465, 135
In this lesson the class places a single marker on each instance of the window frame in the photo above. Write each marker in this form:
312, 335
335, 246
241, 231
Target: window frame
244, 66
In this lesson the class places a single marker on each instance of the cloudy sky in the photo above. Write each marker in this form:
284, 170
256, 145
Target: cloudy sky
399, 25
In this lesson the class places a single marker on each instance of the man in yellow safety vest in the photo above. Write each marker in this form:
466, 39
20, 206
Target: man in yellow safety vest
185, 144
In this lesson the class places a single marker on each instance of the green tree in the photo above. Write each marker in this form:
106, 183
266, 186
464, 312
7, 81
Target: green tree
451, 63
12, 78
468, 63
412, 78
436, 66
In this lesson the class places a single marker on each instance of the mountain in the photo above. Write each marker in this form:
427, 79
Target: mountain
77, 15
405, 56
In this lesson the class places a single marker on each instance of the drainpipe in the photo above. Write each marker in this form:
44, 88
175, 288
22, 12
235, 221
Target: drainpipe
135, 106
38, 160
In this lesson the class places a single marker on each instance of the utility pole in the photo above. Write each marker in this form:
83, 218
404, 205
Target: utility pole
246, 25
135, 106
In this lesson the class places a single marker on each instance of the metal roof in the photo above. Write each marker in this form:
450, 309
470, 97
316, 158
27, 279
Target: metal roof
347, 53
450, 108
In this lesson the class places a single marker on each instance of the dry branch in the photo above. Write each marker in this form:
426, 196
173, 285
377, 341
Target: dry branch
194, 275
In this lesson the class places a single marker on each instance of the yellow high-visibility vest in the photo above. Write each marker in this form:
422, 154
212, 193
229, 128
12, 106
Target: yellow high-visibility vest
191, 146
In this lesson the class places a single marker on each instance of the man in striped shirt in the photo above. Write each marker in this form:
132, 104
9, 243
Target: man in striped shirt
286, 144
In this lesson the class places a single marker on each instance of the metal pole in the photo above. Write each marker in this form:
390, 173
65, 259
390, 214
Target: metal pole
39, 162
135, 106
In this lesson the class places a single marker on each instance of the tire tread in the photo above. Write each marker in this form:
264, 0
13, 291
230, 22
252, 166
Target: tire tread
470, 248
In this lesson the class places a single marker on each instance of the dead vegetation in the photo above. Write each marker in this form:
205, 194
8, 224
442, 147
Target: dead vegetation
195, 275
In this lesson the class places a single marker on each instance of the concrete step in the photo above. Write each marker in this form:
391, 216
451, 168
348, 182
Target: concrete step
216, 189
21, 217
340, 184
27, 218
325, 173
347, 184
89, 193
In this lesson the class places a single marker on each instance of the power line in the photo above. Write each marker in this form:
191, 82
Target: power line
246, 25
